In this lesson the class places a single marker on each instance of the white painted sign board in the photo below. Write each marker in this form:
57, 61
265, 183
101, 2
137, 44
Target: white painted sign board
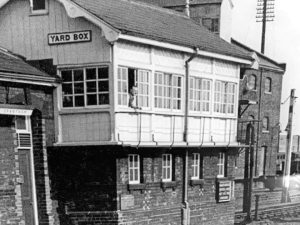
69, 37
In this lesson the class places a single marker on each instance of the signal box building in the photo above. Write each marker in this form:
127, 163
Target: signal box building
145, 115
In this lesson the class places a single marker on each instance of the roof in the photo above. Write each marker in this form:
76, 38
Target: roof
14, 67
264, 61
173, 3
159, 24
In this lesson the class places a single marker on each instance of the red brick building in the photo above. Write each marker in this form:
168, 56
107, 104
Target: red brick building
26, 113
143, 126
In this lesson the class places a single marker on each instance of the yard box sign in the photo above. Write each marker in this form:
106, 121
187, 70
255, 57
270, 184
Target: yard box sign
69, 37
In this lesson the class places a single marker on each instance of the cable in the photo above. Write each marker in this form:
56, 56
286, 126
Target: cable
285, 100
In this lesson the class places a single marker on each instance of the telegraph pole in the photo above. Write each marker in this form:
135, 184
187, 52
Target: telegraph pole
289, 137
265, 13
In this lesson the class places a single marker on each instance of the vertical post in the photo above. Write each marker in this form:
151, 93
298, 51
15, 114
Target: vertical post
250, 141
263, 33
256, 206
287, 166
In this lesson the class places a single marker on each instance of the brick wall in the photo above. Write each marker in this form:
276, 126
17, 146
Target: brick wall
10, 191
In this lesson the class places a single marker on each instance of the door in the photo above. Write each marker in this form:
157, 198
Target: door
26, 186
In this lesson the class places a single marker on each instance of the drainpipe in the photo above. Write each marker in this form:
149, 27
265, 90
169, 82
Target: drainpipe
187, 76
186, 209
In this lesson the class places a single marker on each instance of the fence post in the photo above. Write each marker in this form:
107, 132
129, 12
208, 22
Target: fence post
256, 206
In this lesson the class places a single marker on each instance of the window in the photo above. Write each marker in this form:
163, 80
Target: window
252, 82
129, 78
85, 87
268, 85
197, 167
166, 167
262, 161
134, 168
200, 90
20, 123
265, 124
211, 24
167, 91
39, 6
225, 93
221, 165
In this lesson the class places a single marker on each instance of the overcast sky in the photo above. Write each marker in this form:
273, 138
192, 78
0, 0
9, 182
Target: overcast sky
282, 44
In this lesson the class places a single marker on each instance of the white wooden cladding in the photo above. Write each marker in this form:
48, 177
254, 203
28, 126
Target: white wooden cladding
133, 127
27, 35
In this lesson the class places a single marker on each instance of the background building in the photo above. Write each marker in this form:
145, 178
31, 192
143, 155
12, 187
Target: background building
295, 163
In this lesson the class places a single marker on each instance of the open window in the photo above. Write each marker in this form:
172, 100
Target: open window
133, 87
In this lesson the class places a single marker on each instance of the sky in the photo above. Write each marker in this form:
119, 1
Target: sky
282, 45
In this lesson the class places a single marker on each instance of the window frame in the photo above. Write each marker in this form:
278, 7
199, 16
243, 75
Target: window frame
222, 103
85, 81
171, 88
166, 167
39, 11
123, 80
136, 166
221, 165
252, 82
197, 172
194, 91
268, 90
266, 128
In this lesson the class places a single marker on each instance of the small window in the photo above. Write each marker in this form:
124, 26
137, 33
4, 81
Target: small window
252, 82
134, 168
221, 165
20, 123
166, 167
265, 124
197, 167
268, 85
211, 24
39, 6
262, 161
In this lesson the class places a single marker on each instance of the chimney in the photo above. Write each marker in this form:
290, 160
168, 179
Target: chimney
187, 7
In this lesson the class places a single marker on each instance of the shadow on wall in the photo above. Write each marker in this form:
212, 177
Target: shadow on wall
82, 179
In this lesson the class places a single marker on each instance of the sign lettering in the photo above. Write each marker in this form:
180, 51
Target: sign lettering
69, 37
224, 191
17, 112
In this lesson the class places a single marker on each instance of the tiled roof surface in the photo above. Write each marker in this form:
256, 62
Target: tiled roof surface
152, 22
170, 3
10, 63
263, 60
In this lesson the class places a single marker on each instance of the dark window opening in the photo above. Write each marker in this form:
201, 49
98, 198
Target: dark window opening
211, 24
38, 5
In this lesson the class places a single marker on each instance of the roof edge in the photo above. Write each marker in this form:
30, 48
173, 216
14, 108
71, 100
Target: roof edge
185, 49
280, 65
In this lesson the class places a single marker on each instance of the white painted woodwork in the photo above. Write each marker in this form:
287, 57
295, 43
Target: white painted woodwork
26, 35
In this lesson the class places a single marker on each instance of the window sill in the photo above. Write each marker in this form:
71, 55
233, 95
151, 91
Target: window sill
265, 131
168, 184
198, 182
39, 13
268, 93
225, 178
136, 187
